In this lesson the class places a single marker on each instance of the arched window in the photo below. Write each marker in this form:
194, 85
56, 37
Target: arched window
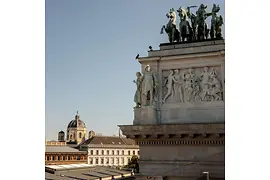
48, 158
97, 152
91, 152
112, 152
70, 137
108, 152
69, 158
102, 153
123, 153
80, 135
64, 158
53, 158
117, 152
58, 158
129, 153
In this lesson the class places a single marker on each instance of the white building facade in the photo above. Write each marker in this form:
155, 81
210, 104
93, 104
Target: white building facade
110, 150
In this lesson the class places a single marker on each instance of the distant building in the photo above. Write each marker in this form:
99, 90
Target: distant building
76, 131
97, 150
109, 150
57, 153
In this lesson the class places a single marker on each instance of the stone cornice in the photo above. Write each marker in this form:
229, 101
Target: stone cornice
183, 56
174, 131
182, 142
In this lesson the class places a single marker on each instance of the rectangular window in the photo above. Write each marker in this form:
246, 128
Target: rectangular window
112, 152
53, 158
96, 160
133, 152
129, 153
91, 160
64, 158
112, 160
48, 158
102, 161
58, 158
69, 158
102, 152
91, 152
117, 152
108, 152
123, 152
78, 158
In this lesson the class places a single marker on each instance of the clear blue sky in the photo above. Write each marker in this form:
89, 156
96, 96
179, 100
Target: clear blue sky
90, 51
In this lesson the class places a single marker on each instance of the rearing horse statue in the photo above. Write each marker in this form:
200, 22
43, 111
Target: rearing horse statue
216, 23
186, 32
170, 28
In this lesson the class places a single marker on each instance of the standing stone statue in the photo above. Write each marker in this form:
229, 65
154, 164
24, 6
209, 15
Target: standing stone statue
170, 28
137, 96
216, 23
149, 86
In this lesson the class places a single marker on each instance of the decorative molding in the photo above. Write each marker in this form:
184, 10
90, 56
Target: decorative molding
183, 142
161, 130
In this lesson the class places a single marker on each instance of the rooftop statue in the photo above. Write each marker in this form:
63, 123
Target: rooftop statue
170, 28
194, 23
186, 32
197, 28
216, 23
202, 15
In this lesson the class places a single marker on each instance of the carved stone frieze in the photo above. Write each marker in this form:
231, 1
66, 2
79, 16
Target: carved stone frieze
191, 85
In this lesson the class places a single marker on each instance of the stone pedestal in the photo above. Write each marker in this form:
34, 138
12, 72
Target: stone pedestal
183, 134
145, 115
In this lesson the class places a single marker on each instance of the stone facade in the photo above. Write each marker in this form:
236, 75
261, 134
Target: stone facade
182, 133
199, 104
